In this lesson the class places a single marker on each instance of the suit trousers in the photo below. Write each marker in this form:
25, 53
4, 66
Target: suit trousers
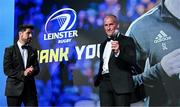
108, 97
24, 98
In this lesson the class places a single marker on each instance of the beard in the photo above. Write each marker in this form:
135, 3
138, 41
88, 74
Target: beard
28, 40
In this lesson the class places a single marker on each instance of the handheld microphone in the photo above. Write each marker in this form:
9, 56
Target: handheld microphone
115, 35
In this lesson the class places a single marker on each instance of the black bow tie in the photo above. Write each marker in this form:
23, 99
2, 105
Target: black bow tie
24, 47
109, 39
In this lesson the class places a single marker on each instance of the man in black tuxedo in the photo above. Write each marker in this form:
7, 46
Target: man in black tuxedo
20, 67
116, 58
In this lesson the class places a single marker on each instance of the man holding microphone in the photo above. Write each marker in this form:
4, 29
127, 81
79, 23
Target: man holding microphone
117, 55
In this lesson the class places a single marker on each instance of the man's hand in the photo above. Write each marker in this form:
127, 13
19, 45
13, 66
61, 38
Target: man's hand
28, 71
115, 47
171, 63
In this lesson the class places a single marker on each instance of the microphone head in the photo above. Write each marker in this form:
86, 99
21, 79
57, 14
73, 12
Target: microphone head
116, 32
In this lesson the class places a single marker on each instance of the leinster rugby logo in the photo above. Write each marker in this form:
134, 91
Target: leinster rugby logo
61, 26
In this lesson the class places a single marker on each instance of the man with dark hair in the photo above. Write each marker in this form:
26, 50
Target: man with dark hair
117, 55
20, 67
157, 36
24, 27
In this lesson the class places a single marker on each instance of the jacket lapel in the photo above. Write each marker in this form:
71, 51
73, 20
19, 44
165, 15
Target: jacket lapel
19, 55
102, 48
30, 55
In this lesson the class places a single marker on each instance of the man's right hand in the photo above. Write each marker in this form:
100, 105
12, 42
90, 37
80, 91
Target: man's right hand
171, 63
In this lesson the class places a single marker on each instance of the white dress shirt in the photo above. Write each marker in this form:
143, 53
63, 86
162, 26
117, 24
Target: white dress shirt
106, 56
24, 53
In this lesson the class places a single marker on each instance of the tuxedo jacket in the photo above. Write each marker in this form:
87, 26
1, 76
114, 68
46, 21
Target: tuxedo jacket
119, 67
14, 69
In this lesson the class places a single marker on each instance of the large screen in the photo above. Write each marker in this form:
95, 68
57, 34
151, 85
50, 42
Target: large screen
67, 36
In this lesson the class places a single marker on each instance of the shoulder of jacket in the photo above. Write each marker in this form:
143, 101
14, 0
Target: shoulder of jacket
123, 36
10, 47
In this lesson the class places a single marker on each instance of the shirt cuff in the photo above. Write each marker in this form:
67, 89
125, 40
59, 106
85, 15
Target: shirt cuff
117, 54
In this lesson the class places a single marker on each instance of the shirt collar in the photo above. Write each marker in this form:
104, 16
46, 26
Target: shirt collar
19, 44
109, 38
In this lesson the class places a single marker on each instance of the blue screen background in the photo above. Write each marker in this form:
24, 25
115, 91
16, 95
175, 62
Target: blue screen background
6, 39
